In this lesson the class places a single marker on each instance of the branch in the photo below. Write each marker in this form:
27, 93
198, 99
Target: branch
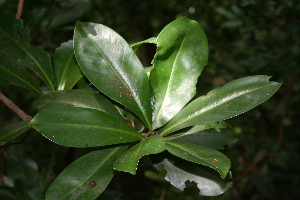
20, 9
11, 105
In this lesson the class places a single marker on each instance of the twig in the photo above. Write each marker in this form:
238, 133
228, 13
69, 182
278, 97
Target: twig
20, 9
11, 105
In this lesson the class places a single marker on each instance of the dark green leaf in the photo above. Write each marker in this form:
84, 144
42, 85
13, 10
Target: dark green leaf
67, 72
82, 127
200, 155
12, 131
206, 139
78, 98
208, 183
225, 102
129, 160
14, 41
182, 52
74, 181
113, 67
215, 125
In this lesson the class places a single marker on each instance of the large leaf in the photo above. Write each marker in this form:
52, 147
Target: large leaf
14, 41
82, 127
225, 102
200, 155
67, 72
78, 98
208, 183
76, 181
182, 52
113, 67
129, 160
12, 131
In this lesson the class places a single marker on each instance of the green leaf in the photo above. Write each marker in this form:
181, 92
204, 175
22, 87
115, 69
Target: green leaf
182, 52
129, 160
82, 127
200, 155
112, 66
14, 41
74, 181
207, 139
208, 183
67, 72
225, 102
12, 131
136, 45
78, 98
212, 125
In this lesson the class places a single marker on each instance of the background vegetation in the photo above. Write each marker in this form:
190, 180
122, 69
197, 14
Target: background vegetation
246, 37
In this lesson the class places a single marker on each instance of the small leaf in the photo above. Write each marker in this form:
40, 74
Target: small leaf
136, 45
12, 131
78, 98
182, 52
208, 183
67, 72
82, 127
14, 41
129, 160
215, 125
222, 103
87, 177
200, 155
111, 65
207, 139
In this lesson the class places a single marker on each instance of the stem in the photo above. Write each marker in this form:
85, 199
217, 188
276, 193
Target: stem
11, 105
20, 9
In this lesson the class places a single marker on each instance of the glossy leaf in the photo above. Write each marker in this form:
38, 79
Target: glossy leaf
208, 183
225, 102
14, 41
207, 139
112, 66
67, 72
74, 181
12, 131
82, 127
182, 52
129, 160
200, 155
136, 45
78, 98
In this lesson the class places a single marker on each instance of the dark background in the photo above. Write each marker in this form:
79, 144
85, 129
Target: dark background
246, 37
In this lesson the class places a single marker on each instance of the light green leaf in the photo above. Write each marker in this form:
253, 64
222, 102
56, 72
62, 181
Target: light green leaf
12, 131
182, 52
225, 102
74, 181
136, 45
129, 160
82, 127
200, 155
14, 41
208, 183
67, 72
78, 98
112, 66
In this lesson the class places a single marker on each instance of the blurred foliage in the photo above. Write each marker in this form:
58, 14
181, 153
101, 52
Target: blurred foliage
246, 37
